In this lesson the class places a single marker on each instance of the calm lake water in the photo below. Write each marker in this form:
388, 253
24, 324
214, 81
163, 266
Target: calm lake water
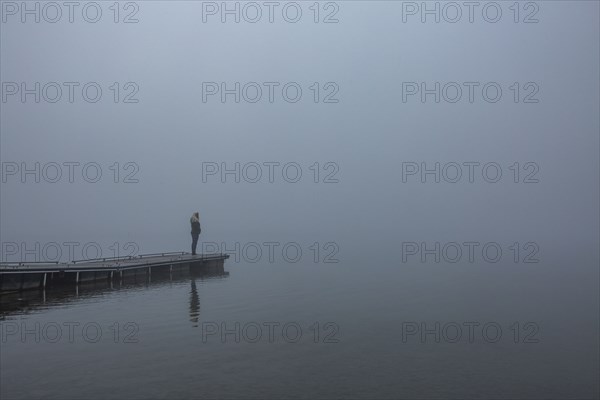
312, 330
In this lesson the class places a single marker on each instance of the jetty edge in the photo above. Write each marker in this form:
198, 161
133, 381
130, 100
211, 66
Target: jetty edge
18, 276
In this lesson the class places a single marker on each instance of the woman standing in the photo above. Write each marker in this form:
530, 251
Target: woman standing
195, 221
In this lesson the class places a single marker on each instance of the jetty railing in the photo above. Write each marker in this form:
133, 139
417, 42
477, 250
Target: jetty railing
172, 253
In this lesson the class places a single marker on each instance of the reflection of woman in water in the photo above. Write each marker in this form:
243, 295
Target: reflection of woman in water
195, 221
194, 304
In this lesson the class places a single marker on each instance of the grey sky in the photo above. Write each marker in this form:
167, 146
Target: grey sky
368, 133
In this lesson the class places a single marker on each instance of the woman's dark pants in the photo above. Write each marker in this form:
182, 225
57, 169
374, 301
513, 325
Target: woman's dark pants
194, 242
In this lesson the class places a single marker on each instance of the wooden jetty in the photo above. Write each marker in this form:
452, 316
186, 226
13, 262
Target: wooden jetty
19, 276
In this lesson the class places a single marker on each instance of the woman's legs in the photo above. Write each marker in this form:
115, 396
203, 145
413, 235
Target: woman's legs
194, 242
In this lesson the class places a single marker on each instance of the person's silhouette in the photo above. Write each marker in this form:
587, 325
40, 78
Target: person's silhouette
195, 222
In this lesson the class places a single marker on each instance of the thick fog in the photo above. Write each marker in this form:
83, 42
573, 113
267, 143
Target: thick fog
387, 169
172, 132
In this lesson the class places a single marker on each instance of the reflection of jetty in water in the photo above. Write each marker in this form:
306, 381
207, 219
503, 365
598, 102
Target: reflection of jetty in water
23, 302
